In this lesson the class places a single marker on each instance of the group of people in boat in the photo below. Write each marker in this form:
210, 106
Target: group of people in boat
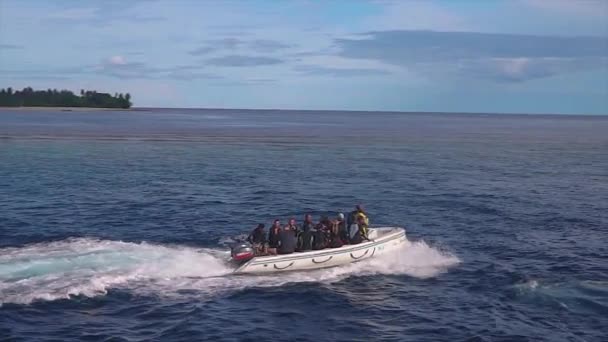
326, 233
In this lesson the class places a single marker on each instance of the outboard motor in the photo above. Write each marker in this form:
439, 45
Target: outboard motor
242, 252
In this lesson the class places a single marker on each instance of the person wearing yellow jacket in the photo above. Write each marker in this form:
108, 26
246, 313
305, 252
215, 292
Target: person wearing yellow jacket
362, 224
358, 223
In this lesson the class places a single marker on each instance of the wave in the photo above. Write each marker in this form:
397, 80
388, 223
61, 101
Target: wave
580, 296
91, 267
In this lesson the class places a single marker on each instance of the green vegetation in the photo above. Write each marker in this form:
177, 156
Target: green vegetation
62, 98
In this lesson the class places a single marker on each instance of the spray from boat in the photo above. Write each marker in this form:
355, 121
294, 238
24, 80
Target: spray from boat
92, 267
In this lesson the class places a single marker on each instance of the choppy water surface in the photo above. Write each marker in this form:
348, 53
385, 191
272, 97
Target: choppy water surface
114, 225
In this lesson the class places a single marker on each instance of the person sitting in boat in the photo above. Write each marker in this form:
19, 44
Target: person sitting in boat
335, 241
321, 233
305, 241
305, 237
273, 237
292, 225
353, 219
355, 214
307, 225
287, 240
326, 222
319, 239
361, 233
342, 231
257, 239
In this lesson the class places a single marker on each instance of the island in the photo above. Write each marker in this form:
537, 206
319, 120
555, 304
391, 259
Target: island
62, 98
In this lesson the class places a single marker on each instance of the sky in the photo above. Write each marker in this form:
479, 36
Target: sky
511, 56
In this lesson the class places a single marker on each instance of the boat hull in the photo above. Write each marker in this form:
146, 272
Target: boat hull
386, 239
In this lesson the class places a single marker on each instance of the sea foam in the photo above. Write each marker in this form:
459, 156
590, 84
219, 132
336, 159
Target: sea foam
91, 267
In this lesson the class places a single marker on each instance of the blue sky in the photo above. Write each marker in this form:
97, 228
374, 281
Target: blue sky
522, 56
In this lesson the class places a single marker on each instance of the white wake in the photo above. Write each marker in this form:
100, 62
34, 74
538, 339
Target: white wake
90, 267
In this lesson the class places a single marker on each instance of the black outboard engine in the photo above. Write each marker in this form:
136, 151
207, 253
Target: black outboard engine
242, 252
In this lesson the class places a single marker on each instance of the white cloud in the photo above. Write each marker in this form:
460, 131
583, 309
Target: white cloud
525, 69
513, 67
117, 60
500, 57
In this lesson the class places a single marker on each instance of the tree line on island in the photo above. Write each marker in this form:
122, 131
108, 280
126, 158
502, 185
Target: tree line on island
62, 98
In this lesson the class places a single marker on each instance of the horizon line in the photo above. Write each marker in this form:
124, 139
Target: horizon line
148, 108
135, 108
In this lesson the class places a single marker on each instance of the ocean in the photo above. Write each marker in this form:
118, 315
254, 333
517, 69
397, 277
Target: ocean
114, 225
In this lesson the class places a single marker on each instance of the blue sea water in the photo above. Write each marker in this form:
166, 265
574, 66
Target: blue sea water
114, 225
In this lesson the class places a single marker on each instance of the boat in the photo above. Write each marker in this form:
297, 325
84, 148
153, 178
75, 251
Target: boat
381, 240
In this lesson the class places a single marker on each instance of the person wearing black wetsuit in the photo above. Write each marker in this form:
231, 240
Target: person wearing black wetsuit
305, 237
273, 237
336, 232
287, 240
321, 233
257, 239
293, 226
257, 235
308, 225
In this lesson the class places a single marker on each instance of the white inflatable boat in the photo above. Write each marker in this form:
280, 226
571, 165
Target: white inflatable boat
382, 240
